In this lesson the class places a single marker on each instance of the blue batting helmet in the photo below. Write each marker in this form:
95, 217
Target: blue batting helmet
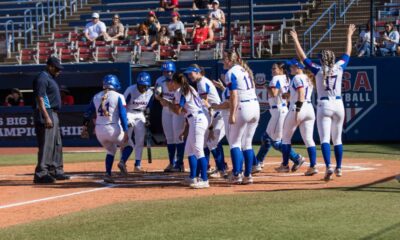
168, 67
111, 81
144, 79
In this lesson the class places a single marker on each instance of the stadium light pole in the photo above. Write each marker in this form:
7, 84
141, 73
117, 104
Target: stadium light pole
251, 28
372, 26
228, 23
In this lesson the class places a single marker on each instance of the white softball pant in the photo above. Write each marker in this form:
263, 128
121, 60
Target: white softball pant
305, 120
330, 118
242, 132
110, 137
173, 125
275, 124
218, 131
138, 129
198, 125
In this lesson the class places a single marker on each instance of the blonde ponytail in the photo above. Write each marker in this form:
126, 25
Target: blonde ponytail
103, 105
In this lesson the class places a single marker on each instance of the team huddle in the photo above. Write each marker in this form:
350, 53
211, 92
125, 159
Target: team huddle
198, 113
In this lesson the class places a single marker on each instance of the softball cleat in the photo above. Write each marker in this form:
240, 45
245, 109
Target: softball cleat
328, 174
338, 172
236, 179
138, 169
248, 180
200, 184
108, 179
311, 171
282, 169
169, 168
296, 166
257, 168
122, 168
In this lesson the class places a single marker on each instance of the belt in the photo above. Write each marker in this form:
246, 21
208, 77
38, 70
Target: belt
191, 115
249, 100
137, 110
327, 98
275, 106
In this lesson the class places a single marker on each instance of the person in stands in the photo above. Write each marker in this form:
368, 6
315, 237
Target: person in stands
201, 4
66, 97
117, 30
14, 99
216, 16
168, 5
202, 34
176, 24
95, 30
153, 26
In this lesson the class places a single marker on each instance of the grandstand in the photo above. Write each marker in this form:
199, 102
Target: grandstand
33, 30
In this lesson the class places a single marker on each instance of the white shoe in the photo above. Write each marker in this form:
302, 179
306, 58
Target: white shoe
187, 181
169, 168
211, 170
108, 179
218, 174
236, 179
262, 164
257, 168
338, 172
122, 168
248, 180
328, 174
282, 169
311, 171
295, 166
138, 169
200, 184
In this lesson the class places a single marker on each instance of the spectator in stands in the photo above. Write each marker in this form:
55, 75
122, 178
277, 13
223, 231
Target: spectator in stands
364, 42
153, 26
390, 40
66, 97
176, 24
14, 99
216, 16
163, 36
95, 30
117, 30
202, 34
142, 37
201, 4
178, 38
168, 5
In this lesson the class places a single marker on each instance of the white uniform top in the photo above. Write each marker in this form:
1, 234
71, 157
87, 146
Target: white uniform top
279, 82
115, 105
162, 81
216, 14
300, 81
94, 30
135, 100
206, 87
237, 78
331, 85
225, 98
191, 102
394, 36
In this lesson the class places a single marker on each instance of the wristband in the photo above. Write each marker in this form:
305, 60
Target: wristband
298, 106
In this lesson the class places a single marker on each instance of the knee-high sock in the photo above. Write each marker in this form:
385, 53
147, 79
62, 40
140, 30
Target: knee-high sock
312, 154
171, 153
109, 163
326, 153
293, 155
180, 152
219, 163
203, 166
264, 148
207, 154
237, 160
126, 152
198, 168
193, 166
220, 150
248, 161
339, 155
285, 153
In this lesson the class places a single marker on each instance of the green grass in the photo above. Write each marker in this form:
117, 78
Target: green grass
371, 151
362, 213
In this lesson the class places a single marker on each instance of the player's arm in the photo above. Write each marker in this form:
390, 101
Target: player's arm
224, 105
300, 89
233, 103
42, 108
123, 118
350, 31
299, 50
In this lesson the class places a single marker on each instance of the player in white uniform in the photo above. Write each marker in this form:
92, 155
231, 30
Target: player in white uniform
301, 114
111, 120
244, 114
138, 99
330, 110
216, 131
278, 89
172, 123
190, 103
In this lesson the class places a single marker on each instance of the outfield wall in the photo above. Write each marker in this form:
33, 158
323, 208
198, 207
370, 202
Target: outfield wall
370, 93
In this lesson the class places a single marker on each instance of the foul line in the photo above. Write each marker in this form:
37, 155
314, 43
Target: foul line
55, 197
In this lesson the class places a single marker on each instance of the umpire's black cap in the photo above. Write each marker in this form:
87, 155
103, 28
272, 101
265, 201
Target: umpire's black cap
55, 62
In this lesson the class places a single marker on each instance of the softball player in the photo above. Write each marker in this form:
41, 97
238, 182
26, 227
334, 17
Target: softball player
216, 131
244, 114
109, 107
301, 114
277, 93
330, 110
138, 98
190, 103
172, 123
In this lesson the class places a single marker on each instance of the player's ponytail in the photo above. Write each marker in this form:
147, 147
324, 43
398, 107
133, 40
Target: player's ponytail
282, 67
103, 105
181, 80
233, 56
328, 61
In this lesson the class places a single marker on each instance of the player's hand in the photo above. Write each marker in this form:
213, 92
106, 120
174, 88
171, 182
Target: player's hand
182, 136
218, 84
232, 119
48, 123
126, 138
85, 132
211, 135
351, 29
293, 33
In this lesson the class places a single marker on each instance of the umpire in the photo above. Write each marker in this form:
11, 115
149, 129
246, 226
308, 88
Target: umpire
47, 102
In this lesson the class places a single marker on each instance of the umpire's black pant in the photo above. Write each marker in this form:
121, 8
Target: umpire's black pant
50, 158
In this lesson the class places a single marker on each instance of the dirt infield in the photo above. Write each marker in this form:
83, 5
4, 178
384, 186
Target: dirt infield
22, 202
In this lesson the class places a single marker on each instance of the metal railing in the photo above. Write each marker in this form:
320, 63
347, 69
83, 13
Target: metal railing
62, 10
10, 41
308, 38
51, 14
344, 6
40, 19
28, 27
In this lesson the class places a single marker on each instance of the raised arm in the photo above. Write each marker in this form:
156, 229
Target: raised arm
350, 31
297, 45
